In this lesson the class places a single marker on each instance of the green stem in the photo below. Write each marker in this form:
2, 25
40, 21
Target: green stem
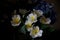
32, 39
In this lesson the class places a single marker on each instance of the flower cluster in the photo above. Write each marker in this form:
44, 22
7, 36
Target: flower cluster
31, 19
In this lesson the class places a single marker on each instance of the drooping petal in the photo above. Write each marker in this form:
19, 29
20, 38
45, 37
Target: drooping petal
15, 24
38, 12
44, 20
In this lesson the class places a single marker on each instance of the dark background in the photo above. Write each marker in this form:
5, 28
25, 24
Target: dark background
57, 9
9, 33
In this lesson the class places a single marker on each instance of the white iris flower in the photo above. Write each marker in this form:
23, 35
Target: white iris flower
16, 20
44, 20
32, 17
28, 25
35, 32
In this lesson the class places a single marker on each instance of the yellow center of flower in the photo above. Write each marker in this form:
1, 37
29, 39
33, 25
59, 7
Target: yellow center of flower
29, 25
35, 31
16, 20
43, 19
32, 17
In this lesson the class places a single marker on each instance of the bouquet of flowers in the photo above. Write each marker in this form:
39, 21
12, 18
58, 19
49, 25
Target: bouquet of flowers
34, 22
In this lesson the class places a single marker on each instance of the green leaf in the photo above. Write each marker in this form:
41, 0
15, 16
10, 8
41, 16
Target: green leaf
51, 29
23, 29
44, 26
32, 39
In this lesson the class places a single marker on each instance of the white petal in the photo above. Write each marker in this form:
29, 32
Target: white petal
27, 17
34, 21
35, 36
40, 12
37, 27
28, 21
40, 33
31, 15
16, 16
48, 21
29, 29
15, 24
